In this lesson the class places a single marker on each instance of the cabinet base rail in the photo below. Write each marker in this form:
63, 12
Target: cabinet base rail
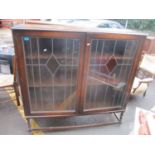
70, 127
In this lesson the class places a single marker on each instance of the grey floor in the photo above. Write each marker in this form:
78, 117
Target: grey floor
12, 123
128, 122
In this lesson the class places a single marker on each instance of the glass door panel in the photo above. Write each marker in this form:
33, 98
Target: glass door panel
109, 68
52, 67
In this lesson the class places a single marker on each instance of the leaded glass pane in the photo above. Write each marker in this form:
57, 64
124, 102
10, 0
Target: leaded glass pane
52, 67
109, 69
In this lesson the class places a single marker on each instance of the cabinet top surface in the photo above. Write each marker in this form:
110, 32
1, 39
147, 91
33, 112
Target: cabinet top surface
64, 28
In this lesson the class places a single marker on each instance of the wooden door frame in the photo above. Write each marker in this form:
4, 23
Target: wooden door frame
17, 35
137, 58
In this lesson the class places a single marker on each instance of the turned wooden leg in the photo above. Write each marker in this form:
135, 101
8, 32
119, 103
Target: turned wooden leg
121, 116
29, 125
17, 93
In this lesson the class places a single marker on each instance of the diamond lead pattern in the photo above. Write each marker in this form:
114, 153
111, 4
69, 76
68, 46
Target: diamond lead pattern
111, 64
53, 64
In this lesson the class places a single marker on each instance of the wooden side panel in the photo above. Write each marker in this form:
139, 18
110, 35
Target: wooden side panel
21, 71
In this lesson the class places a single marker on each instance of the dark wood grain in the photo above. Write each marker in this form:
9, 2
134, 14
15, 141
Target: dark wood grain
64, 28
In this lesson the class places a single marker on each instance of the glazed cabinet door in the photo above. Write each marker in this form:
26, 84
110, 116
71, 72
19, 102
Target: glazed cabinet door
52, 65
108, 70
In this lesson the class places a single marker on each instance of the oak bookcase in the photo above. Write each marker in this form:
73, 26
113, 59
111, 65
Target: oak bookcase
71, 71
